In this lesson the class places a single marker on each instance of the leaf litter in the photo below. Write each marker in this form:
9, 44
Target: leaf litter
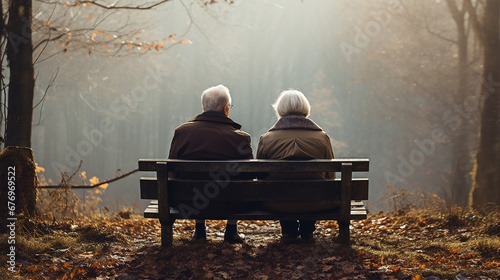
384, 246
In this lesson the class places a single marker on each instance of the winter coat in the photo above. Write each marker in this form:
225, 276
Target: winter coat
210, 136
296, 137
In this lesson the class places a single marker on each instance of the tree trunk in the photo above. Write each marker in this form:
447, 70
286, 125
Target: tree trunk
462, 179
461, 141
19, 185
486, 187
21, 83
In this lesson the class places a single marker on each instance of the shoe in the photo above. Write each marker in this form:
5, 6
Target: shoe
288, 238
231, 235
307, 237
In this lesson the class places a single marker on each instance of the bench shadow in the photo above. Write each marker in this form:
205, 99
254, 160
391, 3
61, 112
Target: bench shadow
268, 258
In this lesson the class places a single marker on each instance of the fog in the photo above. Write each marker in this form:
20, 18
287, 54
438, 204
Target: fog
371, 83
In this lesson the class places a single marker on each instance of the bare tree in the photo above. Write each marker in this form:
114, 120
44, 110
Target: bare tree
486, 176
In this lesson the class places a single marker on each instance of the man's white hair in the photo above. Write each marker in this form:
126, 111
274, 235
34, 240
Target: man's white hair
215, 98
292, 102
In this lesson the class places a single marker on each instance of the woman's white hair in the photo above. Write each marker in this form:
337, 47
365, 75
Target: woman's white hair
215, 98
292, 102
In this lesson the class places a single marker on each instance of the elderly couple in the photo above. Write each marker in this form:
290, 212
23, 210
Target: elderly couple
212, 135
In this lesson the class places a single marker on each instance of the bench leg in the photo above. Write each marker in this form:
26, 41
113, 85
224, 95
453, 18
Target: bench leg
344, 235
167, 233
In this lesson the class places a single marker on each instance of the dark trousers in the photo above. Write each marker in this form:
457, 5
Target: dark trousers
295, 228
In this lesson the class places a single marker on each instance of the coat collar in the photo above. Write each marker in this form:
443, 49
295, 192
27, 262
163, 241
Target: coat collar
295, 122
213, 116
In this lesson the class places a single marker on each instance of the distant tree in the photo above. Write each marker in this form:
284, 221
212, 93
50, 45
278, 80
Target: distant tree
418, 63
486, 187
464, 128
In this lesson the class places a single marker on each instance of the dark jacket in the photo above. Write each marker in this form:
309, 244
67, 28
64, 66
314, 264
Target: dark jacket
296, 137
210, 135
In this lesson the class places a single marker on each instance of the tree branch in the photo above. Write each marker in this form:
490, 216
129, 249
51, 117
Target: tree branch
148, 6
89, 186
427, 27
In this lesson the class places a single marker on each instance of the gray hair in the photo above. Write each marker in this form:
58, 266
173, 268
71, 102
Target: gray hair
215, 99
292, 102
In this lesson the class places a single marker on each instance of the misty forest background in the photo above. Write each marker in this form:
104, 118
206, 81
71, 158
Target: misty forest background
397, 82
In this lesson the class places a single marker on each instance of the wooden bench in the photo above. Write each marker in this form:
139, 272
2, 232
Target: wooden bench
163, 191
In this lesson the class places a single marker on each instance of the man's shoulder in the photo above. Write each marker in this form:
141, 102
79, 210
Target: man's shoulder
210, 128
185, 127
186, 124
242, 133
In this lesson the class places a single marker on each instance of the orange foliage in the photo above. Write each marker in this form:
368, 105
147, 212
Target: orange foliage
455, 250
491, 264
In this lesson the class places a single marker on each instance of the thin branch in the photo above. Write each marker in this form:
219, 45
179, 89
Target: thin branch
427, 27
46, 41
42, 100
114, 7
89, 186
146, 6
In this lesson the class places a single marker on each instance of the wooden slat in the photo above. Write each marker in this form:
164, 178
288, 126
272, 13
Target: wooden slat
149, 188
256, 165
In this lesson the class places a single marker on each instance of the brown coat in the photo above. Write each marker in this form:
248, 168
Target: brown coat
210, 135
296, 137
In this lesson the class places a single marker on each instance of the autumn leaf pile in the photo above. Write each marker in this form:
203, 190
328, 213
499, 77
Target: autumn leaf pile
385, 246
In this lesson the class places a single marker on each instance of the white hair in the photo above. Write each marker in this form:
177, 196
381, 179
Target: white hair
215, 98
292, 102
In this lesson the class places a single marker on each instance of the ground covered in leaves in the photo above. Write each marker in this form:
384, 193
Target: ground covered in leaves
385, 246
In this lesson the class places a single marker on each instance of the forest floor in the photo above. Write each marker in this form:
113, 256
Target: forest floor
125, 246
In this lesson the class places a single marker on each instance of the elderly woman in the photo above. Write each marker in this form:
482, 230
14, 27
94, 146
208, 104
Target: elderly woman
295, 136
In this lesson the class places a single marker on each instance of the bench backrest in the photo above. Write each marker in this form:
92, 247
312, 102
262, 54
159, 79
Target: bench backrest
224, 181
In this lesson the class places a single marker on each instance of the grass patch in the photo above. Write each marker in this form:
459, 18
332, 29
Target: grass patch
444, 273
488, 246
29, 247
493, 229
100, 234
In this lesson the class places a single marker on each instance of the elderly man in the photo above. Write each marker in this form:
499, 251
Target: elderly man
212, 135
